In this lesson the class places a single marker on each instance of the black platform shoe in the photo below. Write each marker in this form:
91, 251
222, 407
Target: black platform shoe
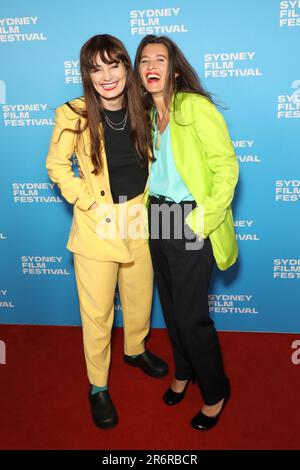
148, 363
103, 411
172, 398
202, 422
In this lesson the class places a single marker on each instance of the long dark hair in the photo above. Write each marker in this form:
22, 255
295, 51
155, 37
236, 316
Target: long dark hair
187, 79
111, 50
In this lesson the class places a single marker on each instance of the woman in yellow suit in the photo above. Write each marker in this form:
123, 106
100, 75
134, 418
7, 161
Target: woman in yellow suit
108, 131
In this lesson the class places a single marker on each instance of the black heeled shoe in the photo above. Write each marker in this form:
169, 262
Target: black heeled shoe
202, 422
172, 398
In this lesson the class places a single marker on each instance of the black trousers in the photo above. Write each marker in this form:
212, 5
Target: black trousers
182, 277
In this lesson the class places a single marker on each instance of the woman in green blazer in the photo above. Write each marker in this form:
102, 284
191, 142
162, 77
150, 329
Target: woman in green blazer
191, 186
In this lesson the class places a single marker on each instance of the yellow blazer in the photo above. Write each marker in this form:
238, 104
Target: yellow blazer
82, 193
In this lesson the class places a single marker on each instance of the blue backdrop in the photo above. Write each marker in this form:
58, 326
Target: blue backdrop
247, 54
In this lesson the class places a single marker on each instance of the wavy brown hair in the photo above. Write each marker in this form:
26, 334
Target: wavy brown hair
111, 50
186, 81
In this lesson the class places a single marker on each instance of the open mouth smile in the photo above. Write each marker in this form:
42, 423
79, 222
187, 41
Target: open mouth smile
109, 86
152, 77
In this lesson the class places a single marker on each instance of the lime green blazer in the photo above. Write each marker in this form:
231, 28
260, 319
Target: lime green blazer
205, 158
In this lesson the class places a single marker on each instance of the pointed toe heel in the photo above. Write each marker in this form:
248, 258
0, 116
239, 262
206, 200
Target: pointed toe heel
202, 422
173, 398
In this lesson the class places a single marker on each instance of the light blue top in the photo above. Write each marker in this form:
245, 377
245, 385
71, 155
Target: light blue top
164, 179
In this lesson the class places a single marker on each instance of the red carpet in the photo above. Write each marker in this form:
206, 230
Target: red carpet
43, 396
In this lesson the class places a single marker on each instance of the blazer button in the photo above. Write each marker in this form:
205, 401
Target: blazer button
108, 220
102, 193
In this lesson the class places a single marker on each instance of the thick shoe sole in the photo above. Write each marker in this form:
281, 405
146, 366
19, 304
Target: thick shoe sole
105, 425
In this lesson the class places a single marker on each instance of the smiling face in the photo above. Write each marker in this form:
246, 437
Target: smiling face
109, 80
154, 68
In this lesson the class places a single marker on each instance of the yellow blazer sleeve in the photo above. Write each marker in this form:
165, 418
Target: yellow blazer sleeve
59, 166
222, 162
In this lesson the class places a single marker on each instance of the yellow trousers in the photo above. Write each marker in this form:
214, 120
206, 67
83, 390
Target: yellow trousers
96, 283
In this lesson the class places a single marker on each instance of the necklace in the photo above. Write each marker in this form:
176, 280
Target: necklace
113, 124
159, 127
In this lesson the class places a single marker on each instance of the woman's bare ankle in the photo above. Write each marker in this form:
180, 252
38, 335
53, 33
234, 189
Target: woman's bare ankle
178, 385
212, 410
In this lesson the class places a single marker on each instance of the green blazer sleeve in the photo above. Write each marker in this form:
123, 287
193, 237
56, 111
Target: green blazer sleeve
221, 161
58, 163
